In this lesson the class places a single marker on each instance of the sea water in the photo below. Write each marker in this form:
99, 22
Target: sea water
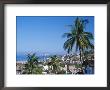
24, 58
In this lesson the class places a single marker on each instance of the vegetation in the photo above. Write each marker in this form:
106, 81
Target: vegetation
55, 64
78, 37
31, 67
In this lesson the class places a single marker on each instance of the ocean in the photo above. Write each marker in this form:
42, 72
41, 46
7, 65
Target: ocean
24, 58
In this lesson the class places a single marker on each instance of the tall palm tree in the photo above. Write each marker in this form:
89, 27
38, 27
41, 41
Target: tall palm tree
78, 37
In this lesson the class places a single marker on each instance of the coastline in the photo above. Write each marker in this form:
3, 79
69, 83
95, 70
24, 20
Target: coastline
21, 62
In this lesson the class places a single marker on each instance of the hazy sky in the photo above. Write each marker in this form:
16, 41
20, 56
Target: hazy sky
44, 33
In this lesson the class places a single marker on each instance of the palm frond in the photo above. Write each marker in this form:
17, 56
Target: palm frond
89, 35
78, 36
68, 35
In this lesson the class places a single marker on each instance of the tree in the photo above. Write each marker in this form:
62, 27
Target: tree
31, 67
55, 64
77, 37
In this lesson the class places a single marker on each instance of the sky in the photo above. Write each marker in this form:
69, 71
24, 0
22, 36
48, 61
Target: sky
43, 34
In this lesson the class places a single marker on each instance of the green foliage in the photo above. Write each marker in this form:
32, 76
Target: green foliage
61, 72
38, 70
78, 65
55, 64
78, 37
32, 65
62, 65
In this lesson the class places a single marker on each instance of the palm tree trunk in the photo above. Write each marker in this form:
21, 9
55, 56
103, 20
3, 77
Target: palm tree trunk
80, 54
67, 67
81, 58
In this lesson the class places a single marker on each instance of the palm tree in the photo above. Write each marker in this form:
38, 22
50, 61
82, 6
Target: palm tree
31, 67
55, 64
78, 37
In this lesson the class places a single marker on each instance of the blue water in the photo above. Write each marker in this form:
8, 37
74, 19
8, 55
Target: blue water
24, 57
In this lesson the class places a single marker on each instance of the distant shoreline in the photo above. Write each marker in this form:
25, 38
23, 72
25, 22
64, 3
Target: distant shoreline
24, 58
22, 62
